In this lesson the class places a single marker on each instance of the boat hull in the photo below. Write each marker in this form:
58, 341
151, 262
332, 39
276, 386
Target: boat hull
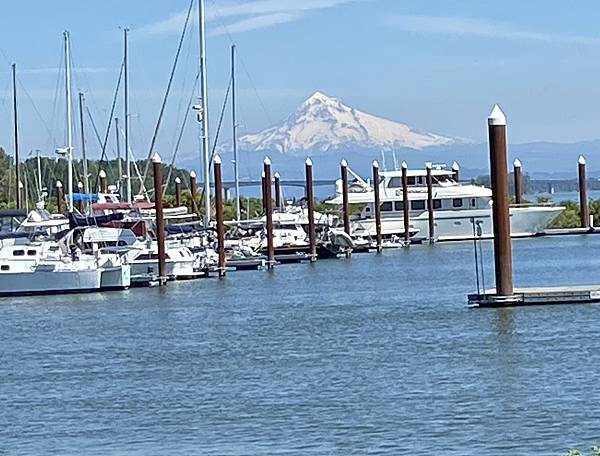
458, 225
50, 282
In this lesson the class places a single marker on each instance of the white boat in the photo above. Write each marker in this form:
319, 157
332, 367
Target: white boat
29, 267
458, 208
142, 255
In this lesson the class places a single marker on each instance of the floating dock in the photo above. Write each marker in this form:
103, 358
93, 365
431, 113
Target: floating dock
586, 294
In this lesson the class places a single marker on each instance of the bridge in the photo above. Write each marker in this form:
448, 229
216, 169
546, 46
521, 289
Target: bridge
228, 185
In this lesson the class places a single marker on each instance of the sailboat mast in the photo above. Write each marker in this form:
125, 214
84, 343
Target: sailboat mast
126, 106
86, 183
39, 176
119, 164
203, 113
234, 126
69, 118
16, 125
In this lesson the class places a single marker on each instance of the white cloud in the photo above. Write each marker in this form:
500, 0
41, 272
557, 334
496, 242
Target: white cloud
256, 23
463, 26
243, 16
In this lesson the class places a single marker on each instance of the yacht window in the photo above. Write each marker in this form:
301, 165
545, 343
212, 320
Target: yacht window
457, 202
473, 202
19, 252
395, 182
418, 205
437, 204
420, 180
398, 205
4, 267
31, 253
367, 209
386, 207
411, 180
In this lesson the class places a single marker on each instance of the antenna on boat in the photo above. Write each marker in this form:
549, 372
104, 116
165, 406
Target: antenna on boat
395, 160
383, 160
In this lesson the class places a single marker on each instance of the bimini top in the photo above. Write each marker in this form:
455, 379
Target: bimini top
5, 213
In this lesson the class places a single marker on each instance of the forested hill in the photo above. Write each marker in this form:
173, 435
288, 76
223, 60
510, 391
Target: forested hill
53, 169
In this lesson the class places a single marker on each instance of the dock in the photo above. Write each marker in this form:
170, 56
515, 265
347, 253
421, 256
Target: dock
584, 294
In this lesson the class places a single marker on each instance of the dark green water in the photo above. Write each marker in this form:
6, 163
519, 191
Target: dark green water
373, 355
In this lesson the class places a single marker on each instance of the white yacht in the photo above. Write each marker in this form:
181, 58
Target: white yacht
458, 208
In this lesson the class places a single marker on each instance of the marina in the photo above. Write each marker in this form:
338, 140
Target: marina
203, 250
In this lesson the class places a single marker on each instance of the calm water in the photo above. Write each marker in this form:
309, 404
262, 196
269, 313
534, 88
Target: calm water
373, 355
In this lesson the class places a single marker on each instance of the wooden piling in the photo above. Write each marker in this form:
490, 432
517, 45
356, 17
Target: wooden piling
269, 213
405, 203
80, 205
345, 204
219, 214
277, 191
430, 213
263, 192
584, 209
60, 198
378, 236
22, 193
518, 181
500, 206
193, 193
103, 181
178, 191
456, 172
160, 221
310, 208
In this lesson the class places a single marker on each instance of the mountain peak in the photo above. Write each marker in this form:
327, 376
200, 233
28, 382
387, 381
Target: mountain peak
319, 97
323, 123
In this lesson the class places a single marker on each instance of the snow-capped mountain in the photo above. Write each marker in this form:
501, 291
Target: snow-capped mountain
324, 123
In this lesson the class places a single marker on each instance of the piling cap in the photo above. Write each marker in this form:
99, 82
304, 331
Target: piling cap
177, 180
193, 174
267, 161
517, 163
404, 165
102, 174
497, 117
428, 165
581, 160
276, 176
156, 158
344, 163
375, 164
217, 159
308, 162
455, 166
58, 184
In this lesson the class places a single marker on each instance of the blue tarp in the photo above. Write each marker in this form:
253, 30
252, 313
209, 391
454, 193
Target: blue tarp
85, 197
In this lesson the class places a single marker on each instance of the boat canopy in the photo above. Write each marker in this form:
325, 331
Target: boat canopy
93, 220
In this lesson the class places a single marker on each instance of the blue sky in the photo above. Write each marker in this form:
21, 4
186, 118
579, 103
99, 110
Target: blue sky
438, 65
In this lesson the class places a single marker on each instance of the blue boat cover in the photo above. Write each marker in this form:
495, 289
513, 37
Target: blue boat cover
93, 220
